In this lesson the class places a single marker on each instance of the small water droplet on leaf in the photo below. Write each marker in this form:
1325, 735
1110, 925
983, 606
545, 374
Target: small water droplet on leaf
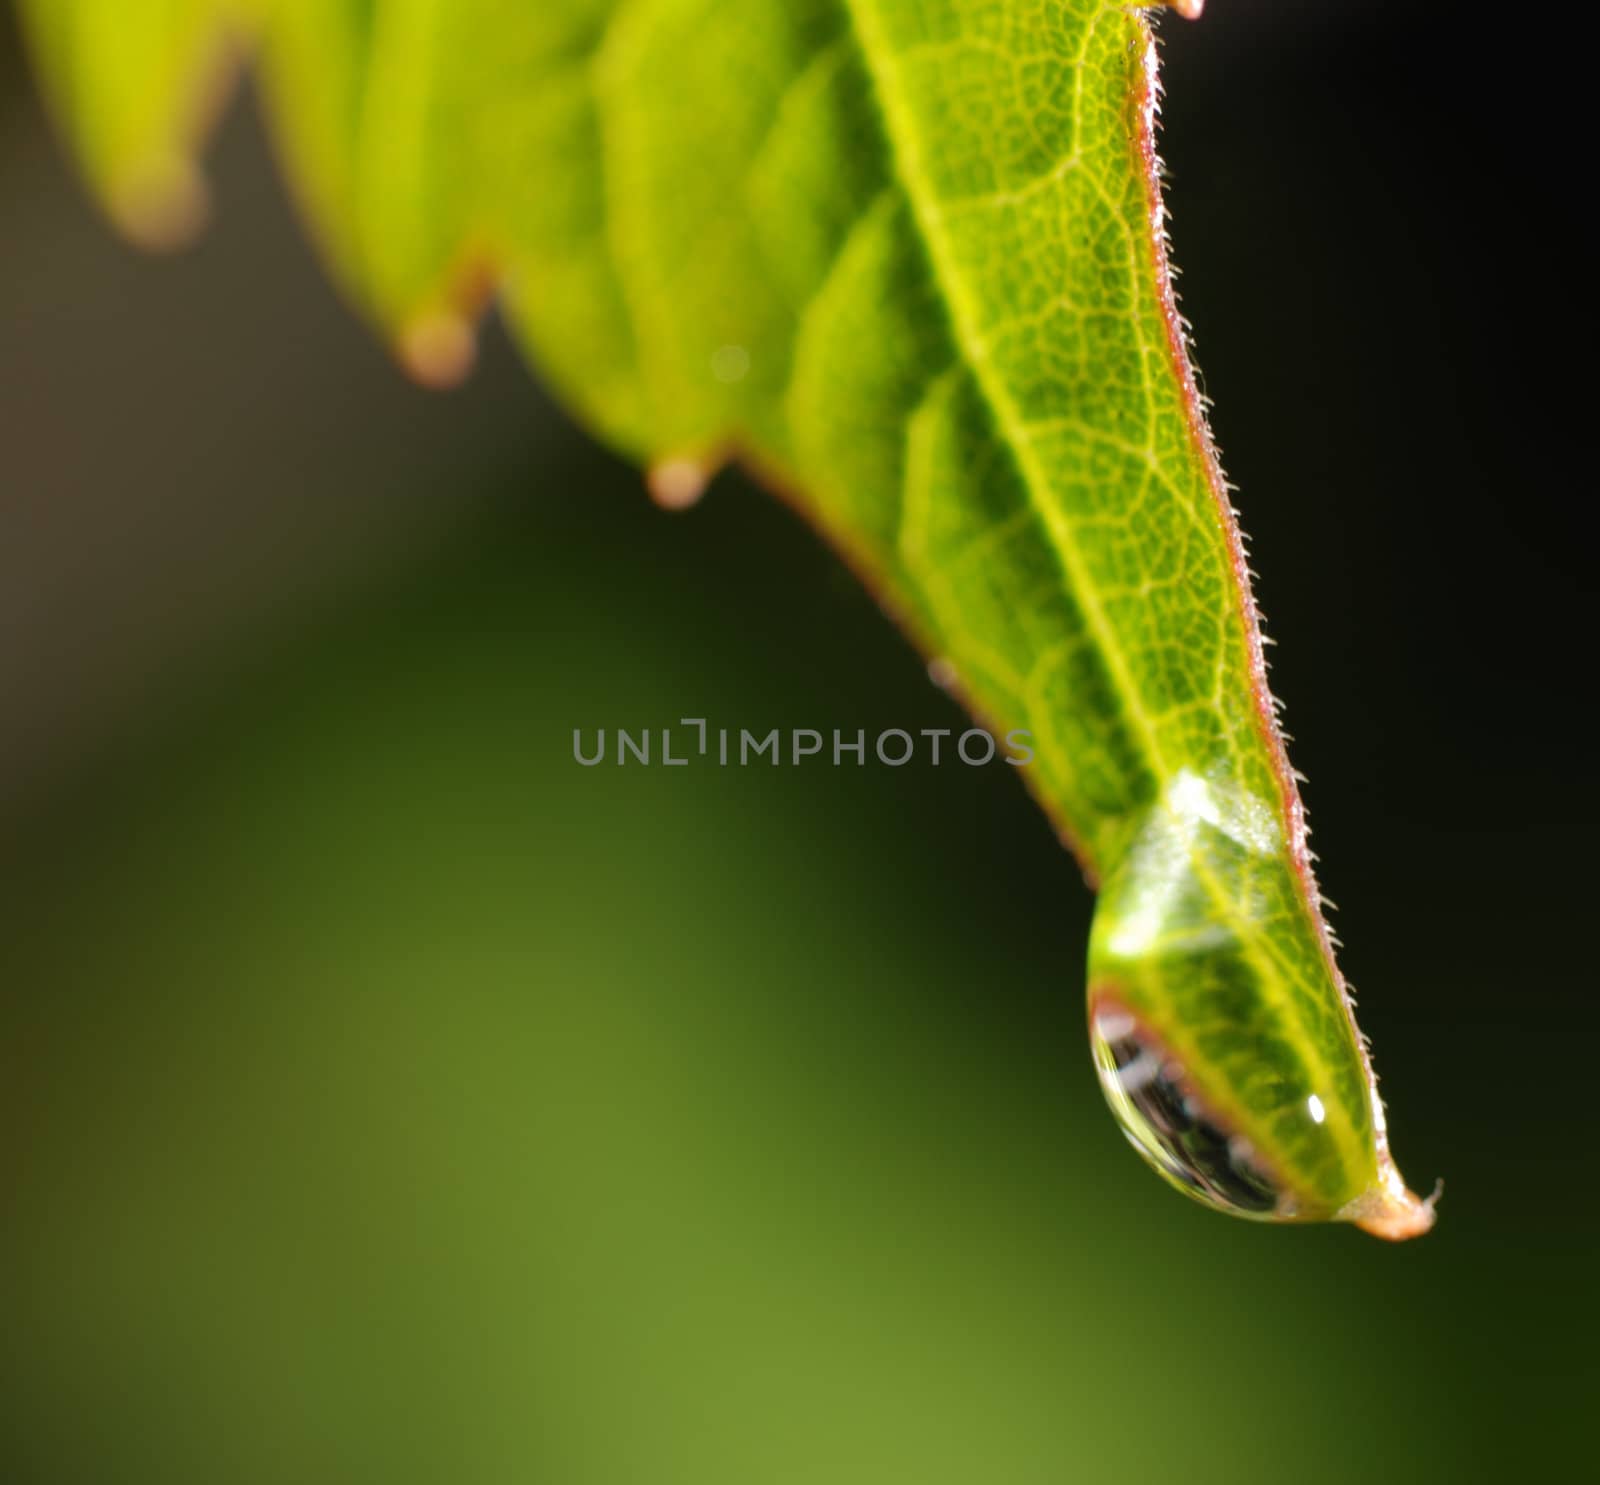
730, 363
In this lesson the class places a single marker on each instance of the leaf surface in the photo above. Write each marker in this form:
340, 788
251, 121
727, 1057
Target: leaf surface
907, 258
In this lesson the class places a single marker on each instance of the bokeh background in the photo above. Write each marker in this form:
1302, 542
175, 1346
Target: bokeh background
384, 1097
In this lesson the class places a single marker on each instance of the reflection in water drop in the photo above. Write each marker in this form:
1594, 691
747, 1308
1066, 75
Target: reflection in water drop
1165, 1124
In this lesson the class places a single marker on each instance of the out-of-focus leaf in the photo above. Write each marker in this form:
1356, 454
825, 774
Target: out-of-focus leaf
136, 83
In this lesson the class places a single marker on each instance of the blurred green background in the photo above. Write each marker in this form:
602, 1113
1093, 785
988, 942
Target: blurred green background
384, 1097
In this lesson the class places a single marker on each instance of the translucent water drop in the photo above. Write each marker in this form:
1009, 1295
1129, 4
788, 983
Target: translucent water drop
1165, 1123
730, 363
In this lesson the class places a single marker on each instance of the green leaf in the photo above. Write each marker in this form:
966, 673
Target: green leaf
906, 257
137, 83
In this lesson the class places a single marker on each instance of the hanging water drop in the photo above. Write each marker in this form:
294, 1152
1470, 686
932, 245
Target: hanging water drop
1165, 1122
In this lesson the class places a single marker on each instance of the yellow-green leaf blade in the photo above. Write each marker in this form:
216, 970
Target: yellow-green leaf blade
135, 84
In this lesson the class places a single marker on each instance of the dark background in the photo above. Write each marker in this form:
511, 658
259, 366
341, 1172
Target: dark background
383, 1097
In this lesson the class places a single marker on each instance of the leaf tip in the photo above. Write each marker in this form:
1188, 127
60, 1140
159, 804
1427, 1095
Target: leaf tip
163, 205
678, 482
1392, 1212
438, 348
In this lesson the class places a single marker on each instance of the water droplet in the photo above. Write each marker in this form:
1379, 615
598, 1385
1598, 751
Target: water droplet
1165, 1123
942, 672
730, 363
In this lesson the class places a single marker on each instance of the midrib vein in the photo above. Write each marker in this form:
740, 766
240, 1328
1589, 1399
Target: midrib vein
905, 161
